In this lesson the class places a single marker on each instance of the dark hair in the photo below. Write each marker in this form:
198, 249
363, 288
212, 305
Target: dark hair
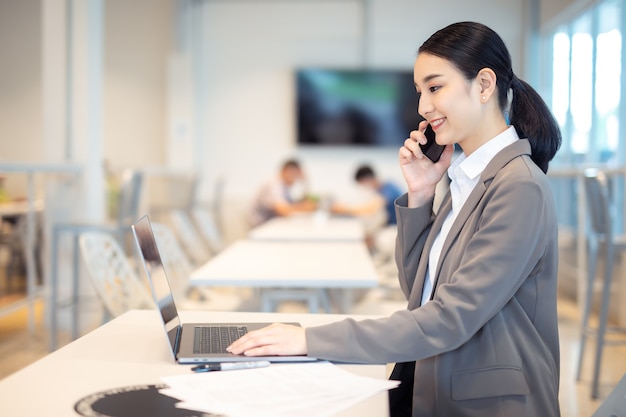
473, 46
364, 171
290, 163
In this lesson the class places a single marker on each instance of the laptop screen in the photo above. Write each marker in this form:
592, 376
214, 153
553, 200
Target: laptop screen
155, 271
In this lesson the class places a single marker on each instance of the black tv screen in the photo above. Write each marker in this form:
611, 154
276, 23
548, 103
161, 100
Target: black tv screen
355, 107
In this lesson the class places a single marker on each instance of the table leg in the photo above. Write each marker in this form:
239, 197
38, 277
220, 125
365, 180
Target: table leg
53, 297
266, 301
347, 298
75, 285
30, 256
581, 242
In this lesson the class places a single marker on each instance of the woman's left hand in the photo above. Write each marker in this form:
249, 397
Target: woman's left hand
276, 339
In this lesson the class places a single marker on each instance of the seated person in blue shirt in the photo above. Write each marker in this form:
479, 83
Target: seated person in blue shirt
374, 205
385, 193
388, 190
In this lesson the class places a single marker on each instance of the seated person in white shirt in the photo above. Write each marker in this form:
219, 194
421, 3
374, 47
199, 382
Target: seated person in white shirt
275, 198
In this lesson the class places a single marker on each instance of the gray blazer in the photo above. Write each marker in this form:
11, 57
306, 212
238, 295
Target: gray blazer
487, 344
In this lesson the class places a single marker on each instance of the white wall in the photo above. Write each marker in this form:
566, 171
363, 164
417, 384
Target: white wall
553, 12
252, 48
20, 87
137, 45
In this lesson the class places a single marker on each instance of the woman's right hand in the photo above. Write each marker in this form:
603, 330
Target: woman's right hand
275, 339
420, 173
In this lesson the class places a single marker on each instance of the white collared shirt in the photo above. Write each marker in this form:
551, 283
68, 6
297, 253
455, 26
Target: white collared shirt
464, 174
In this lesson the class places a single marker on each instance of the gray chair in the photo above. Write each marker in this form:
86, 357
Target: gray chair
11, 241
117, 284
600, 234
615, 404
127, 213
179, 269
208, 229
189, 236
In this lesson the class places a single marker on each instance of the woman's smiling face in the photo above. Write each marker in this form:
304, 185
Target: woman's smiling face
451, 104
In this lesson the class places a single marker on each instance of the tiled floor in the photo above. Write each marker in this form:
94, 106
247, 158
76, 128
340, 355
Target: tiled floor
19, 348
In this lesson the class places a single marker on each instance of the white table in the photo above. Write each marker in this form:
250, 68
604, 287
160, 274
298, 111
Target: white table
291, 265
31, 170
132, 350
19, 210
315, 227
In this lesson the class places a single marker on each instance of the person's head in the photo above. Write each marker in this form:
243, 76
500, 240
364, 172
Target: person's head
464, 75
365, 175
291, 171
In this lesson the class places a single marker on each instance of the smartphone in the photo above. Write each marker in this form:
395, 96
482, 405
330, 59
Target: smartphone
431, 149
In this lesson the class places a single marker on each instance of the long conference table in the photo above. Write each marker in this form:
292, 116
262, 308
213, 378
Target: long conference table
132, 351
294, 258
318, 227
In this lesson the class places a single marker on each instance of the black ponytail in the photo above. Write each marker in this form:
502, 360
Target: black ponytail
473, 46
533, 120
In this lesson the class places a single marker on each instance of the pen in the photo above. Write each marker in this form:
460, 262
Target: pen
229, 366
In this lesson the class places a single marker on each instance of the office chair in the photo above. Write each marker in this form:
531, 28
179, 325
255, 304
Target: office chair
597, 194
615, 404
189, 237
127, 212
179, 269
207, 228
12, 241
116, 283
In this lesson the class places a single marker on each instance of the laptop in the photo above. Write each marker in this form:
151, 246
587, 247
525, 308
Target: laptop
191, 342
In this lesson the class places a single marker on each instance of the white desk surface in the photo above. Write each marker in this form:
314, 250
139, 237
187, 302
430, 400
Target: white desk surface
18, 208
310, 227
305, 264
132, 350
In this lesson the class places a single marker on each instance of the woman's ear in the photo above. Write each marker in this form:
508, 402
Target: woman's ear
487, 81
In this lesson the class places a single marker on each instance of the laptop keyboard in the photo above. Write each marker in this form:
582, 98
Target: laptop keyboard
215, 339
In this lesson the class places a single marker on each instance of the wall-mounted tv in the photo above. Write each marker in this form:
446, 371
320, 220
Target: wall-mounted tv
355, 107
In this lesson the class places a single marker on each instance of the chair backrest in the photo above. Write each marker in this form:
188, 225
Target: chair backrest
208, 228
167, 191
191, 241
218, 204
174, 259
598, 201
130, 197
179, 269
115, 280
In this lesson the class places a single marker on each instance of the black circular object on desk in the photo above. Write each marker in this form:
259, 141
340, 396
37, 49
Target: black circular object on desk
133, 401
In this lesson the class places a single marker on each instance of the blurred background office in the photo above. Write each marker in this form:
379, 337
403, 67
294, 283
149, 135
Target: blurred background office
210, 93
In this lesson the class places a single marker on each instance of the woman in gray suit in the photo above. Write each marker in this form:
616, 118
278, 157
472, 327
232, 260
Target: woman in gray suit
479, 336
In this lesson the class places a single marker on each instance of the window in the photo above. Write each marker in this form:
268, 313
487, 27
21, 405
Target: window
607, 83
581, 87
585, 100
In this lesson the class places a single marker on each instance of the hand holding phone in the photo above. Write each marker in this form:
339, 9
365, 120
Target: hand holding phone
431, 149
